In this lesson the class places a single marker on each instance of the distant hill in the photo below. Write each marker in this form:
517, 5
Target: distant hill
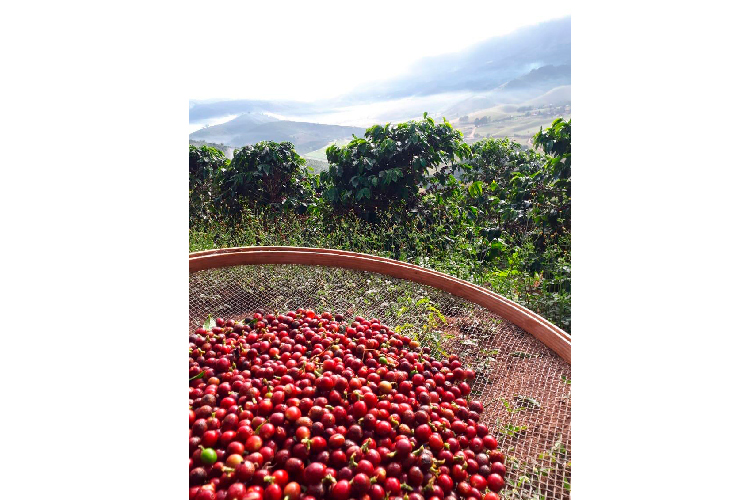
469, 105
483, 66
528, 86
478, 69
506, 79
203, 110
535, 82
225, 132
555, 97
305, 136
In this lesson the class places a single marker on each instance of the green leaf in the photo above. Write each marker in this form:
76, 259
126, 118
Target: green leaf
200, 375
528, 402
364, 192
497, 248
512, 430
475, 189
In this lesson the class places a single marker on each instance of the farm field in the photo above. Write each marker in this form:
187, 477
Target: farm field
520, 129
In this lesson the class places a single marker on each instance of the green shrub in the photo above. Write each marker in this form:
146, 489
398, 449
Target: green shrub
265, 174
385, 169
205, 163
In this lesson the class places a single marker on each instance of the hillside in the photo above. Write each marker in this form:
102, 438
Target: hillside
534, 83
559, 96
528, 86
305, 136
202, 110
518, 123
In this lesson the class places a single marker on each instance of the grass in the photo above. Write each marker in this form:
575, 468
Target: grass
438, 247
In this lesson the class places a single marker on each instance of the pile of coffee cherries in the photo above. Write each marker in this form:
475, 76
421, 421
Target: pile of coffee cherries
303, 406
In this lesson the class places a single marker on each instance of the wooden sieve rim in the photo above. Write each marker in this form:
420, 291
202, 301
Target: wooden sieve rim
546, 332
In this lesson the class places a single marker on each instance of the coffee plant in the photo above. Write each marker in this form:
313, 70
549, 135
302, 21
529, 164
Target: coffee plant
205, 163
266, 174
386, 169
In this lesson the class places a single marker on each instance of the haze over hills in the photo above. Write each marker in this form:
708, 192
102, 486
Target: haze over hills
225, 132
527, 70
482, 67
202, 110
531, 85
248, 129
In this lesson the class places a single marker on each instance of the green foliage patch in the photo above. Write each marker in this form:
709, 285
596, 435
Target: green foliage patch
385, 169
491, 213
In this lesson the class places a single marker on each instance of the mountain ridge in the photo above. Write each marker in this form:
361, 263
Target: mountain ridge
306, 136
480, 68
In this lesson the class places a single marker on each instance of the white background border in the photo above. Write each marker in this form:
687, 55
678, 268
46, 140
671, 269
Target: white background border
94, 224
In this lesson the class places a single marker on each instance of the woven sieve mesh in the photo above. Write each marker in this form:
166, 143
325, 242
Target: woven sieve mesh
524, 385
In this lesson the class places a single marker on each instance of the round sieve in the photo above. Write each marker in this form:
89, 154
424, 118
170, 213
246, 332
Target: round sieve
522, 361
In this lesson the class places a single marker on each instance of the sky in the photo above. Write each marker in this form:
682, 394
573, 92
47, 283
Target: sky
316, 50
